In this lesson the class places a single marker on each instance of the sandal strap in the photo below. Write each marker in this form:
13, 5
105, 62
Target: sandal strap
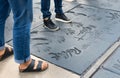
7, 53
39, 66
30, 68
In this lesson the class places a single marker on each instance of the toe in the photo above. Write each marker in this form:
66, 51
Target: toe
44, 66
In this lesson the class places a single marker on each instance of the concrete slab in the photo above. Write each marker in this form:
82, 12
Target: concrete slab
102, 73
91, 33
107, 4
113, 63
101, 60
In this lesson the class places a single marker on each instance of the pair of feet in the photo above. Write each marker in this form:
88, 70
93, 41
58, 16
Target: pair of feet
29, 66
51, 26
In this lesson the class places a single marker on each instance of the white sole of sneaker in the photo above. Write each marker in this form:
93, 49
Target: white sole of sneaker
57, 19
56, 29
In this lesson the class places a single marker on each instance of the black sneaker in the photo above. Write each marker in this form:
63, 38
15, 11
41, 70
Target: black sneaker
62, 18
50, 25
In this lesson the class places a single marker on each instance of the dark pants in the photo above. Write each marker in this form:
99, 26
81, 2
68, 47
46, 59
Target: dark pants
45, 6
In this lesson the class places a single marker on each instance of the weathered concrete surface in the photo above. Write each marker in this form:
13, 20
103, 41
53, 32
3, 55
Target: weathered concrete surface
94, 29
111, 67
113, 63
102, 73
107, 4
91, 33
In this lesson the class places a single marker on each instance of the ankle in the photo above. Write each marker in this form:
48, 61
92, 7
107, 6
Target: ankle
2, 52
25, 65
46, 18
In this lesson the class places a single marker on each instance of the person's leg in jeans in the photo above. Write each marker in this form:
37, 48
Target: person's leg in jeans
22, 13
45, 7
4, 13
60, 16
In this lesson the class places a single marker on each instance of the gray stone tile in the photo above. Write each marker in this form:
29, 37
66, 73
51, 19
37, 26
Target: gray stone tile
113, 63
107, 4
78, 44
102, 73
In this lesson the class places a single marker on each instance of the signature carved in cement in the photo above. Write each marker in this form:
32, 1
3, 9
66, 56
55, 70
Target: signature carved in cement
65, 54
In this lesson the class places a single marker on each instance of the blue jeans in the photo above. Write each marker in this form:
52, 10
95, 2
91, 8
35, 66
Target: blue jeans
45, 6
23, 15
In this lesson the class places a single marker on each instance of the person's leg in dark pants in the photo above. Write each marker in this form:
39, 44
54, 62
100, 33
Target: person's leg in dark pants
58, 6
60, 16
45, 7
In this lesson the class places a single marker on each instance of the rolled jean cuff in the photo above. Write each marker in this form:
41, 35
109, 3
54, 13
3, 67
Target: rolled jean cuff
22, 61
2, 47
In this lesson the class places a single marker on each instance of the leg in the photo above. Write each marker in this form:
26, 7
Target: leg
45, 6
58, 6
22, 12
60, 16
4, 13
